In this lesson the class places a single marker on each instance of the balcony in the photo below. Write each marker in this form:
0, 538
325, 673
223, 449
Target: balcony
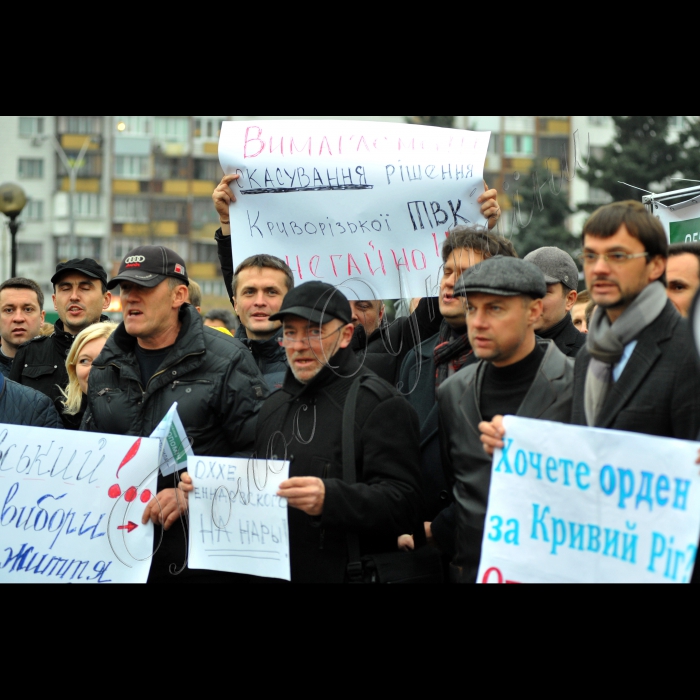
203, 271
75, 142
126, 186
82, 184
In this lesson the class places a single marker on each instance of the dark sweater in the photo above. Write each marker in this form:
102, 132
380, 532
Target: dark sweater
505, 388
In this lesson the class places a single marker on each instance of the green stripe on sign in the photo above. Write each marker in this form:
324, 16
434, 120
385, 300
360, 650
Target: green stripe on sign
176, 446
685, 231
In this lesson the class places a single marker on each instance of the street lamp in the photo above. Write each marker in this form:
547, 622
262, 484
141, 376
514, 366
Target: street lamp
12, 201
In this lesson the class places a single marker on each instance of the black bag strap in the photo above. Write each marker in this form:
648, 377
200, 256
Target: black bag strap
350, 474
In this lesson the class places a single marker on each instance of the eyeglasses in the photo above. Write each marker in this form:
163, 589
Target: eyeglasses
616, 258
314, 337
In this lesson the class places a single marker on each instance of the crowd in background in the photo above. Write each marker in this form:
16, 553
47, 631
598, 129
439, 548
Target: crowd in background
389, 427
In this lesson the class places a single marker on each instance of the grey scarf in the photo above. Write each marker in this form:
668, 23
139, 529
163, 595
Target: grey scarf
606, 343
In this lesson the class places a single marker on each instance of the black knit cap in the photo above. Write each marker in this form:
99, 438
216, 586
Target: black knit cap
317, 302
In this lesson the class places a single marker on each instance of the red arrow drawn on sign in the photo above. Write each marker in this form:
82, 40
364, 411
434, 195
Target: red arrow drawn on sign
129, 527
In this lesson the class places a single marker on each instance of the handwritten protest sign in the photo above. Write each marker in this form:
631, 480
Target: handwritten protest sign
237, 522
71, 509
573, 504
363, 205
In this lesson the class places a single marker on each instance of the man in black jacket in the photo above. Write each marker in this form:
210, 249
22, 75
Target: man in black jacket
21, 317
80, 297
20, 405
561, 274
303, 423
160, 354
637, 371
516, 374
438, 358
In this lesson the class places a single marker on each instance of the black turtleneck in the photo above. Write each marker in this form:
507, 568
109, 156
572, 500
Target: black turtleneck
504, 388
553, 332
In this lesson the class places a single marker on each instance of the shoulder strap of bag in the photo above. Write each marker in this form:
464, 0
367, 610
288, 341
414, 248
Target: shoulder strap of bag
350, 474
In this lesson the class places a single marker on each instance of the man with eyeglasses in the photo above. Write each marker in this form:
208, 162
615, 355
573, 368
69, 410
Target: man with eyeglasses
638, 370
303, 422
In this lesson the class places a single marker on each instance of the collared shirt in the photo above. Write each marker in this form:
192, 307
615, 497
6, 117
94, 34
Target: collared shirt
620, 366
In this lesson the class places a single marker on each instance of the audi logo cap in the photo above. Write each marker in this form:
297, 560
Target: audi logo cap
149, 265
87, 266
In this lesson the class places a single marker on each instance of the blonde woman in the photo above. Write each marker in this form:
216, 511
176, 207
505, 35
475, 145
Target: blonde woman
86, 347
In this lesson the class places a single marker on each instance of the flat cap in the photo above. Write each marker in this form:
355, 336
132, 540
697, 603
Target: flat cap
505, 276
557, 266
317, 302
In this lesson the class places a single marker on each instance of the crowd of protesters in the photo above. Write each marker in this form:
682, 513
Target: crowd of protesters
388, 427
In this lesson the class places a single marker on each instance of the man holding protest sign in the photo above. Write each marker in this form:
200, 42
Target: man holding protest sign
381, 349
304, 422
516, 374
160, 354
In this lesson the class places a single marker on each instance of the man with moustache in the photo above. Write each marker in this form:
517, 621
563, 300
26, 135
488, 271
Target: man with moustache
21, 317
303, 422
80, 296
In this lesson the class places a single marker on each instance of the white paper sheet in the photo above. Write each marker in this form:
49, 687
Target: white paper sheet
237, 522
574, 504
72, 506
364, 205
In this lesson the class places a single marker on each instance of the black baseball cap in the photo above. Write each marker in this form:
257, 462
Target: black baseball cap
87, 266
317, 302
149, 265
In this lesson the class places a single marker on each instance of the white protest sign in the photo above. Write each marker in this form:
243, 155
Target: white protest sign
71, 506
175, 445
574, 504
237, 522
364, 205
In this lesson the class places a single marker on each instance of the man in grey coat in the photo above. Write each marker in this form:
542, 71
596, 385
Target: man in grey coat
517, 374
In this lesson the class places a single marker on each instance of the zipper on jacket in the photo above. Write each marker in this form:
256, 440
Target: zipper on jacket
165, 369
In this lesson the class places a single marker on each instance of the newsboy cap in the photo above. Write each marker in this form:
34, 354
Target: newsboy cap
505, 276
556, 265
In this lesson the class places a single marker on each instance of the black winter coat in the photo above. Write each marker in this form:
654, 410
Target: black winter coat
658, 393
219, 391
5, 364
565, 336
40, 364
269, 356
384, 504
20, 405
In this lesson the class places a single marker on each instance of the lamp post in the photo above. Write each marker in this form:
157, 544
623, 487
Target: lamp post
12, 201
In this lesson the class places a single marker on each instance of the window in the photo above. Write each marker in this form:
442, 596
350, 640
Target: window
80, 125
494, 144
676, 122
31, 126
203, 212
172, 128
122, 246
131, 210
518, 145
31, 168
132, 166
213, 287
207, 169
34, 211
169, 210
135, 126
554, 147
30, 252
207, 128
91, 167
87, 205
205, 252
86, 248
171, 168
